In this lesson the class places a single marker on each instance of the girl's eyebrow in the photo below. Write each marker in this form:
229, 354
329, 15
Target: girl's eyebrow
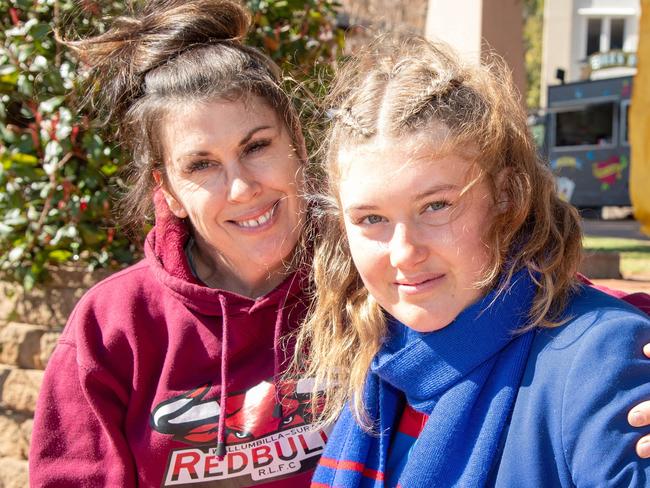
435, 189
420, 196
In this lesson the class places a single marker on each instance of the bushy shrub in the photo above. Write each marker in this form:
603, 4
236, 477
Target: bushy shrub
60, 174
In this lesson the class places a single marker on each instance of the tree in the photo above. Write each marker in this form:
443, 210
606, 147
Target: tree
60, 173
533, 25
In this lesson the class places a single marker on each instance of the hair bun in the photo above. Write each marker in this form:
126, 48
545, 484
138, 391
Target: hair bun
168, 27
194, 21
152, 36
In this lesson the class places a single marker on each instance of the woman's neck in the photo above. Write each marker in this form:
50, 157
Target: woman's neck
217, 272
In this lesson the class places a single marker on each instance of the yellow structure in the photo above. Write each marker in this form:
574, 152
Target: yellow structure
640, 126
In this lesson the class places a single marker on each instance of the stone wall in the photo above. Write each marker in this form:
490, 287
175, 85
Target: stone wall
30, 325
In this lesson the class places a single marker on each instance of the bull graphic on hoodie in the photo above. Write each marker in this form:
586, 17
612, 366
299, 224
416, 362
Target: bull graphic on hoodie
268, 435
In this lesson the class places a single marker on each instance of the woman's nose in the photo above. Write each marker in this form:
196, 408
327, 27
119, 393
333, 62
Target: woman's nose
243, 186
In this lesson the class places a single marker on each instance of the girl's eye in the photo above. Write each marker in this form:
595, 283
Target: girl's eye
256, 146
372, 219
437, 206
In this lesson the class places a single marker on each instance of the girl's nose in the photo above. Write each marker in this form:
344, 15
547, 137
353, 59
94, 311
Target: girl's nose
405, 250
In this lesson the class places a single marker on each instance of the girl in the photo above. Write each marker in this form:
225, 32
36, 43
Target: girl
450, 326
166, 363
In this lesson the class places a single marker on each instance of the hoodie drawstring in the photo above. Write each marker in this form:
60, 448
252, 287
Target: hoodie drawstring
277, 337
277, 354
221, 442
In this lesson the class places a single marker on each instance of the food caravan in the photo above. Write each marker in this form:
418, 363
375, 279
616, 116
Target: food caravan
586, 141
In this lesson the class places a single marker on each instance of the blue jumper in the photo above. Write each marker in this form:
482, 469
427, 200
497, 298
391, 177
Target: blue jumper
569, 423
568, 426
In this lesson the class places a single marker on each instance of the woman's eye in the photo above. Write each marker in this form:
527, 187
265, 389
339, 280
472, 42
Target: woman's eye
372, 219
437, 206
256, 146
198, 165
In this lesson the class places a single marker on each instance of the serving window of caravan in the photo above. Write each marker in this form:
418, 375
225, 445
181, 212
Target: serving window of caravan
589, 125
625, 117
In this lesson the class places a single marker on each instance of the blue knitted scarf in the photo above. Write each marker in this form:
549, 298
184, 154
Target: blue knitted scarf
465, 377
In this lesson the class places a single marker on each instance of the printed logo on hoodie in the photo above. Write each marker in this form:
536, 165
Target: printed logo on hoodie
266, 440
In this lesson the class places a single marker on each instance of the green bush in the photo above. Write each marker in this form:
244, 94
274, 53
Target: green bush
59, 172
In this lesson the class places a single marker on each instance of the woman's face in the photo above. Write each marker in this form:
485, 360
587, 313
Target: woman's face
418, 246
232, 170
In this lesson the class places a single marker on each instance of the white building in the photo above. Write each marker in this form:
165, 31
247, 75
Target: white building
588, 39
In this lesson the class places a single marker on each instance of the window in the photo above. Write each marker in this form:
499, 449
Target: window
616, 34
605, 34
592, 125
594, 26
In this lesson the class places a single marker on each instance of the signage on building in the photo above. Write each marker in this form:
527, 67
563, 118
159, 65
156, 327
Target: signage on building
612, 59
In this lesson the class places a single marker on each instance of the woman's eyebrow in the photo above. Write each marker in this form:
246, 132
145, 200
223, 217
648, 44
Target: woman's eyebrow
252, 132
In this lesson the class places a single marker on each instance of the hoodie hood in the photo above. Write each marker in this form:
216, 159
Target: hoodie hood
165, 253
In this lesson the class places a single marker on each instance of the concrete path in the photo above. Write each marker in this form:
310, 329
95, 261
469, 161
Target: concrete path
626, 228
629, 286
613, 228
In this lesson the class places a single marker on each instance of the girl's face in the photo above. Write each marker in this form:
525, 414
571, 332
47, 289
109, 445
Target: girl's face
417, 244
232, 170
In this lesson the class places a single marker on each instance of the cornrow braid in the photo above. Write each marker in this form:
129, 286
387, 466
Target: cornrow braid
345, 117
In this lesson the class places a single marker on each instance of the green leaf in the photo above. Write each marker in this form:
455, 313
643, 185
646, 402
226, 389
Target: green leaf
24, 159
25, 85
29, 281
60, 255
109, 169
39, 63
51, 104
5, 229
39, 31
15, 254
7, 69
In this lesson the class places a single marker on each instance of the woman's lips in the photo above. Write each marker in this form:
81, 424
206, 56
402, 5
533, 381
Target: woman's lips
258, 220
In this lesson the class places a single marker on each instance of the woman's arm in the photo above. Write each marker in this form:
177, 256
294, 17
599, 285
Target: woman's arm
608, 372
78, 438
639, 416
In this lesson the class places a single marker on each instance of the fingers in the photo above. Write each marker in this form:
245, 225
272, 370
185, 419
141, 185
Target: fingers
639, 416
643, 447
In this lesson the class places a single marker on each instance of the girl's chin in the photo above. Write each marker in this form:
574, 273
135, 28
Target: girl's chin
424, 322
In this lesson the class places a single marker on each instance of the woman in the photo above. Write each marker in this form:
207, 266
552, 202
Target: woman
166, 363
450, 326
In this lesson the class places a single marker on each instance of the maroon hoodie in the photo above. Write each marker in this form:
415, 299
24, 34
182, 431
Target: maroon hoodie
154, 372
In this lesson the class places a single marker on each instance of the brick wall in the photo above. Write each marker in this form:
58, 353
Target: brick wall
30, 324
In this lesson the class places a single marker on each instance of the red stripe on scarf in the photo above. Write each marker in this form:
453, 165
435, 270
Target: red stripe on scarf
350, 466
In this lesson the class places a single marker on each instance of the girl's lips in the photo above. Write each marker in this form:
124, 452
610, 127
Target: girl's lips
419, 285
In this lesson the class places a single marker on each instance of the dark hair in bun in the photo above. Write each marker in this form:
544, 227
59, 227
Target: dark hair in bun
172, 52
